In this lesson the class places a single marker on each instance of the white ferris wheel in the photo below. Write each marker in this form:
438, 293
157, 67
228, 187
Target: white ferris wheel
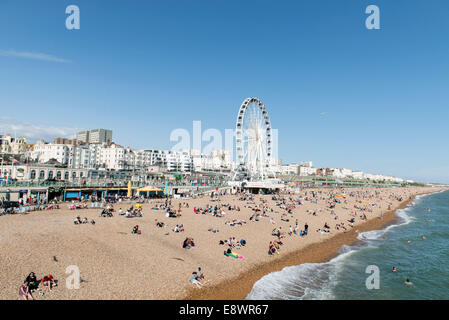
253, 141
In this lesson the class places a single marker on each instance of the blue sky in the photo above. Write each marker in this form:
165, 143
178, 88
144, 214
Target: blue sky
339, 94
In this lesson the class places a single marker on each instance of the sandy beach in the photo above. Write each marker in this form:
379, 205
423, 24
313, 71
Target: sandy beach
115, 264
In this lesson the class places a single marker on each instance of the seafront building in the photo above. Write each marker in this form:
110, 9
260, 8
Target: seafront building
65, 141
110, 156
92, 153
12, 145
95, 136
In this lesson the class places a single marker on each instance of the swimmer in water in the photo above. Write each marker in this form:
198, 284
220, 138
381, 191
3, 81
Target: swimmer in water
423, 237
394, 269
409, 241
408, 282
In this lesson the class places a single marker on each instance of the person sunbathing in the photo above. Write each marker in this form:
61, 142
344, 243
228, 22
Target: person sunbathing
194, 280
188, 243
271, 249
200, 275
159, 224
230, 253
24, 291
48, 282
136, 230
170, 214
31, 279
138, 213
234, 243
277, 243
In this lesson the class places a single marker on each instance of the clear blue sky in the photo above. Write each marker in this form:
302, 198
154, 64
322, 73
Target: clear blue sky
339, 94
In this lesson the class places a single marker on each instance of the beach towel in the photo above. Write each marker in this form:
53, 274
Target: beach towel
234, 255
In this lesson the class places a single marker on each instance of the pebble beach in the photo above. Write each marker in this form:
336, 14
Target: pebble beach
116, 264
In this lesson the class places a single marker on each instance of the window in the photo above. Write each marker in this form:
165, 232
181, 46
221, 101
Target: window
41, 174
58, 175
66, 175
33, 174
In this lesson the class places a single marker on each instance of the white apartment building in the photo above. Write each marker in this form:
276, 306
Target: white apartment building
179, 161
289, 169
307, 164
217, 160
44, 152
111, 157
84, 156
341, 172
166, 159
12, 145
306, 171
199, 160
358, 175
220, 159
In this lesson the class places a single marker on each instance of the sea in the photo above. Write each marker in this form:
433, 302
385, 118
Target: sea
417, 245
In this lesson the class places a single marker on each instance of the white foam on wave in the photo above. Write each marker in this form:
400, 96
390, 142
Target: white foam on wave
306, 281
376, 235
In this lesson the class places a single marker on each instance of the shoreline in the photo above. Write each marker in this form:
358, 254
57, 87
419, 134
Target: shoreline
318, 252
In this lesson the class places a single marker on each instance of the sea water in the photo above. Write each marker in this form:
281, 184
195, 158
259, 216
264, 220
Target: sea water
422, 260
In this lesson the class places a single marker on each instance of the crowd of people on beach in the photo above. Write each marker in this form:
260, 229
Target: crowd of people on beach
84, 221
26, 206
281, 214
